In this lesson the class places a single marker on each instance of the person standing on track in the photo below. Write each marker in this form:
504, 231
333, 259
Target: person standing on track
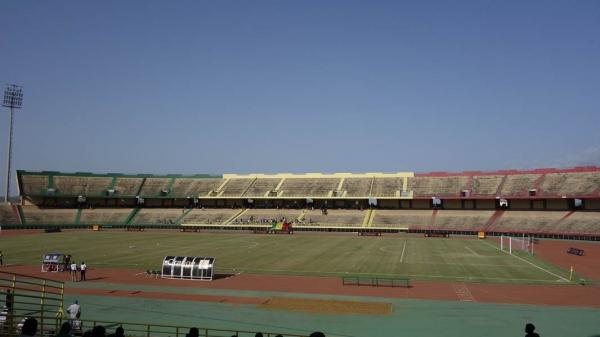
67, 263
73, 271
1, 259
83, 269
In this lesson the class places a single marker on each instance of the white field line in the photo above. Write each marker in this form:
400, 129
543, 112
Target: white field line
472, 251
402, 255
490, 265
531, 263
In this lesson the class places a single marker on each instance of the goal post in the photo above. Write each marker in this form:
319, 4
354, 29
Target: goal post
511, 243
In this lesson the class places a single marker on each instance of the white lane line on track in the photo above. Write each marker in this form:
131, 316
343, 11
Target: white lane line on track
531, 263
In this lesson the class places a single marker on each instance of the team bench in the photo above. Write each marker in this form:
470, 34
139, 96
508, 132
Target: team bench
375, 281
436, 235
369, 233
576, 251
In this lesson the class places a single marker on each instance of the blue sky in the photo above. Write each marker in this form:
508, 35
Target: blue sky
302, 86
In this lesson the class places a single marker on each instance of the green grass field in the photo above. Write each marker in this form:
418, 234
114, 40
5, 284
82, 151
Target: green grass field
326, 255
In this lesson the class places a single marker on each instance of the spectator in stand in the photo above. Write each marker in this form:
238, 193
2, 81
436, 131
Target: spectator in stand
65, 330
193, 333
29, 327
83, 269
74, 271
529, 329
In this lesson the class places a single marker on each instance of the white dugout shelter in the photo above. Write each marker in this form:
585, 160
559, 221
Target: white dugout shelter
188, 268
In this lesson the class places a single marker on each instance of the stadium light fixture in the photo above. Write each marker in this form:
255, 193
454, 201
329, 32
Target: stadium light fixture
13, 99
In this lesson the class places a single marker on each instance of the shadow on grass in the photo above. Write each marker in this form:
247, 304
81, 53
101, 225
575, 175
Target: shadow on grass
222, 276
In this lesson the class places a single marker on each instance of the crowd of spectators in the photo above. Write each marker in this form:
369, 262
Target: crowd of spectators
29, 329
265, 221
30, 326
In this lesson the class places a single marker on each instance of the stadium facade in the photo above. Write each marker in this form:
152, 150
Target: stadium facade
545, 202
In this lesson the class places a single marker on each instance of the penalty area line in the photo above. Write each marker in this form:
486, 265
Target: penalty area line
472, 251
531, 263
403, 249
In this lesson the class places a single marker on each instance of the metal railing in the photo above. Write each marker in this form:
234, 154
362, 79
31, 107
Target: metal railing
28, 296
148, 330
43, 300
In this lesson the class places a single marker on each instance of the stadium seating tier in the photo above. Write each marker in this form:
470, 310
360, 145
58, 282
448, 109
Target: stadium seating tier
7, 216
105, 216
42, 216
126, 186
85, 186
308, 187
486, 185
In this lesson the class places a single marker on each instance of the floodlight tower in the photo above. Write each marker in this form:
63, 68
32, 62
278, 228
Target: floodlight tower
13, 99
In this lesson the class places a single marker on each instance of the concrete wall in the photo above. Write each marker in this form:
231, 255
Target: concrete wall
518, 204
486, 204
452, 204
592, 204
557, 204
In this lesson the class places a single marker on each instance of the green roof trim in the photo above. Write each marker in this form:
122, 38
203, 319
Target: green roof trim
114, 176
121, 175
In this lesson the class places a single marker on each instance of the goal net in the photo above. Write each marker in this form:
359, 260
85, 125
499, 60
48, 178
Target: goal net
510, 244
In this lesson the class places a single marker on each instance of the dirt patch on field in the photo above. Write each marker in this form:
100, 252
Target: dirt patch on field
555, 252
327, 306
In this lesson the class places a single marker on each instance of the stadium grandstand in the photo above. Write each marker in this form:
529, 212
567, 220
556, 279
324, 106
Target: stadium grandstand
561, 203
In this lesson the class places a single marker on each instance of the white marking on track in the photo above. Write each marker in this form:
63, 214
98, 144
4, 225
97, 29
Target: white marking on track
462, 292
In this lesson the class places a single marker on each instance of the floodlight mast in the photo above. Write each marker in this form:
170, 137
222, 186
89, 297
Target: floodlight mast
13, 99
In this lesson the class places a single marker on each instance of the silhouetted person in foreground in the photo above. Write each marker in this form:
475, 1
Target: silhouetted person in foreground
258, 334
193, 333
317, 334
98, 331
29, 327
10, 300
65, 330
529, 329
119, 332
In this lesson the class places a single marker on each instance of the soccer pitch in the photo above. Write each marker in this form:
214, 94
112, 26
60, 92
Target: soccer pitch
456, 259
